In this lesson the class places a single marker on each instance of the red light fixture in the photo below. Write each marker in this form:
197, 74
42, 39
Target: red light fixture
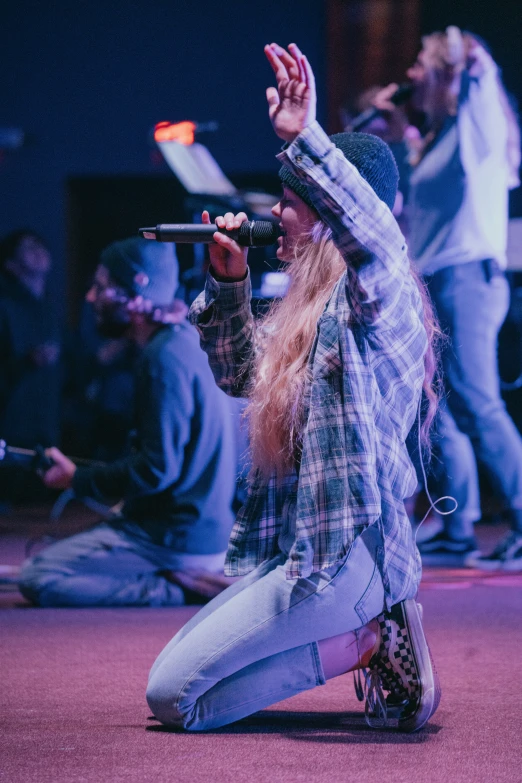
182, 132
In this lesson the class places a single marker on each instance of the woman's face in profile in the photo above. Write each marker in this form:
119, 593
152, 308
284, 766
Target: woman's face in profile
295, 219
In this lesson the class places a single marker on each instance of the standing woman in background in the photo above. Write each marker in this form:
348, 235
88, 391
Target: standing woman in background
334, 377
462, 170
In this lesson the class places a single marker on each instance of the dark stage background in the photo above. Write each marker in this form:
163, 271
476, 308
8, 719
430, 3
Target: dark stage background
86, 81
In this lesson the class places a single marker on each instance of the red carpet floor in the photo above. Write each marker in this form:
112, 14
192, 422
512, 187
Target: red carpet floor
73, 706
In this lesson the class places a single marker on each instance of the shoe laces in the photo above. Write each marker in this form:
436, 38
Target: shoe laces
368, 687
371, 682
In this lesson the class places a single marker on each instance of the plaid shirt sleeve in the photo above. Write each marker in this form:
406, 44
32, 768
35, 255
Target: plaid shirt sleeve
363, 227
223, 318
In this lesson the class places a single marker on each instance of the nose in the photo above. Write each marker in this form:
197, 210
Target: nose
276, 210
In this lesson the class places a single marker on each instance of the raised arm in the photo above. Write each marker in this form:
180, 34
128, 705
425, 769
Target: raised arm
483, 109
363, 227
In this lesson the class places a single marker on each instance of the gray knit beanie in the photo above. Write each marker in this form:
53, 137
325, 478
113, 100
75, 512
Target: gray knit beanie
371, 157
143, 268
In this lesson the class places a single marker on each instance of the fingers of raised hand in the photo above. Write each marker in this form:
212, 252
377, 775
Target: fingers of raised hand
283, 64
300, 90
298, 58
310, 78
288, 59
277, 66
305, 72
478, 59
272, 97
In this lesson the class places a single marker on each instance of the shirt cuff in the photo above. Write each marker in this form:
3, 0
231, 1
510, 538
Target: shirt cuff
308, 149
220, 301
227, 297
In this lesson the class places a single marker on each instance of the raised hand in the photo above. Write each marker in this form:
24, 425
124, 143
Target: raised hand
228, 259
292, 105
479, 60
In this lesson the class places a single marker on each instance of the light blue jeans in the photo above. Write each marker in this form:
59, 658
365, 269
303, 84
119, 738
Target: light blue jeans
473, 424
256, 643
104, 567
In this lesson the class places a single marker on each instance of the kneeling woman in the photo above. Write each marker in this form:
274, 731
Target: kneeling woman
334, 375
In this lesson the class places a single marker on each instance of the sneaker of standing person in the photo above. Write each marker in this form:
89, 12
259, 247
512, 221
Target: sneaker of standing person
507, 555
442, 549
403, 667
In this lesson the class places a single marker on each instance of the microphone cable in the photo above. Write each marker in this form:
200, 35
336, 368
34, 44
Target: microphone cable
433, 503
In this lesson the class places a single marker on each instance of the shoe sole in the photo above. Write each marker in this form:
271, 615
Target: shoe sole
450, 560
499, 566
430, 691
446, 548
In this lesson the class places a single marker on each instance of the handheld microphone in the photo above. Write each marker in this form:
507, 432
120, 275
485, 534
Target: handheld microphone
251, 233
401, 95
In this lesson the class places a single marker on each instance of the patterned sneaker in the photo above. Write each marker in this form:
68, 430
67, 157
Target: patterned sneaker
507, 556
402, 666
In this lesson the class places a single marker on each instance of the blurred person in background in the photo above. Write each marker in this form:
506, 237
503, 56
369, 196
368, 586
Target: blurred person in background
167, 546
99, 391
395, 129
30, 356
462, 168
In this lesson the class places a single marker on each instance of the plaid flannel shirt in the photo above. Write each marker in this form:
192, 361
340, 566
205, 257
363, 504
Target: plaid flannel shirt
367, 370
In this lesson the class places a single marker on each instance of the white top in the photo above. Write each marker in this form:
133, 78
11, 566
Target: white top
458, 199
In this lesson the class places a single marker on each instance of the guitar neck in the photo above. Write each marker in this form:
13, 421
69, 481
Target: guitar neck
35, 459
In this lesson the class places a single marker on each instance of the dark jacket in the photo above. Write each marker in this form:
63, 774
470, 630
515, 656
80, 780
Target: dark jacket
179, 483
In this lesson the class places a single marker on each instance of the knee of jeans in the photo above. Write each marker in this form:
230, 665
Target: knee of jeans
164, 699
30, 581
474, 413
40, 586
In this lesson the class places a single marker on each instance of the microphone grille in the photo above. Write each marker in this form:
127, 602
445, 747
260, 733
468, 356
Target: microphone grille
257, 233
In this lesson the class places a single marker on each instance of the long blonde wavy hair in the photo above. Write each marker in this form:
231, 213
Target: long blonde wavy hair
276, 404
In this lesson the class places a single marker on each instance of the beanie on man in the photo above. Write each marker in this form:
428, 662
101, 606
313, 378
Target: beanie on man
143, 268
371, 157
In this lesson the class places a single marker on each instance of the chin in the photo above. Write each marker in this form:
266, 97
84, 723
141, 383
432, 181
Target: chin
283, 256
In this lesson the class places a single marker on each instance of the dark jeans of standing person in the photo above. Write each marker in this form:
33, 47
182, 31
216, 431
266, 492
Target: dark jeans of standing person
472, 301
